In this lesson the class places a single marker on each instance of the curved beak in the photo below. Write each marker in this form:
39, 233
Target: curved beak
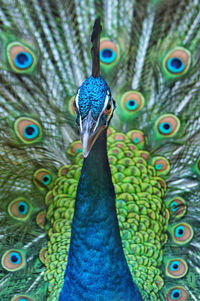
89, 132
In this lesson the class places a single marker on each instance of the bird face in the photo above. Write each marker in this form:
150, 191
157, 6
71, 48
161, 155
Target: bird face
94, 108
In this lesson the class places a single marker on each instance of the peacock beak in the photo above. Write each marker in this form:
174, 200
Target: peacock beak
89, 131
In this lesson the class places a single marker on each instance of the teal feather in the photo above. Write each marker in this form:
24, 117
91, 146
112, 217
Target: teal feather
39, 139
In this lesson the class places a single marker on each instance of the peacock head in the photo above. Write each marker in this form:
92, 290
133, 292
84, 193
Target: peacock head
94, 108
93, 103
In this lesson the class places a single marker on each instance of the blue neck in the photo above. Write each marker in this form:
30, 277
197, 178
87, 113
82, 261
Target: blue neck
96, 266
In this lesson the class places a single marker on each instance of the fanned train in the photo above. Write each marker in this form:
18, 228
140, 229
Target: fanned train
70, 229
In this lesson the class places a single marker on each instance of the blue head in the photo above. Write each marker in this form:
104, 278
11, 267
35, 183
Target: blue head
94, 107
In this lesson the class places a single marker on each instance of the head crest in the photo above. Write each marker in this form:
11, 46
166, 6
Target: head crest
95, 39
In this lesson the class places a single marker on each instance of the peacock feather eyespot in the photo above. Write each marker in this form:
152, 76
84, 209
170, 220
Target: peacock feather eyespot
137, 138
176, 268
177, 207
49, 196
41, 219
110, 131
13, 260
145, 155
63, 170
167, 125
22, 298
119, 137
42, 178
20, 209
75, 148
131, 103
42, 255
177, 62
177, 293
128, 166
21, 58
182, 233
28, 130
109, 52
161, 182
161, 165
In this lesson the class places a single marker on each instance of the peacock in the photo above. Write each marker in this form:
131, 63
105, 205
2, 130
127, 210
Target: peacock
99, 151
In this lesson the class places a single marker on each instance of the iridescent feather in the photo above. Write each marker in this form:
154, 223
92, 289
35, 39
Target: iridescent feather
149, 54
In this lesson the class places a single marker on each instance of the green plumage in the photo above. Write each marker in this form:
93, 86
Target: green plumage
139, 193
149, 54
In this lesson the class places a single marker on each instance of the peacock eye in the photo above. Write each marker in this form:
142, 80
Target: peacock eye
182, 233
74, 106
131, 103
167, 125
28, 130
176, 268
42, 178
161, 165
177, 293
109, 52
177, 62
177, 207
13, 260
137, 138
21, 58
19, 209
108, 109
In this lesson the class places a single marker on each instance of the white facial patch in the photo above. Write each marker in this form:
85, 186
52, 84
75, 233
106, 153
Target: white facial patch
76, 99
107, 99
80, 119
104, 107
